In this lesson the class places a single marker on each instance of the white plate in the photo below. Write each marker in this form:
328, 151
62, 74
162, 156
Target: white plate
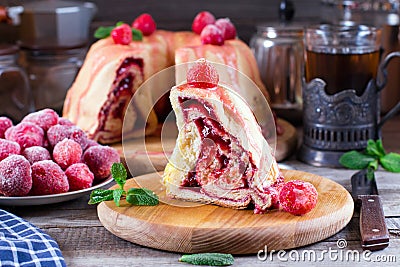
50, 199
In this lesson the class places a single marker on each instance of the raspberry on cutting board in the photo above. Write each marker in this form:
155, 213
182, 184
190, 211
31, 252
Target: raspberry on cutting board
298, 197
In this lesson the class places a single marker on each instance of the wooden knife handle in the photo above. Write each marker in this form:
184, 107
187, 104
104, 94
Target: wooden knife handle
374, 233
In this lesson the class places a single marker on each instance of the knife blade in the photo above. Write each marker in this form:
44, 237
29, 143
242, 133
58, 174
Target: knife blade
373, 229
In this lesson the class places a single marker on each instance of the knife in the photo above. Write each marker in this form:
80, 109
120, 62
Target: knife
373, 229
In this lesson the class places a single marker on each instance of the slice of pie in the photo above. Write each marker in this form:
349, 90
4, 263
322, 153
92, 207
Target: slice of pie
221, 156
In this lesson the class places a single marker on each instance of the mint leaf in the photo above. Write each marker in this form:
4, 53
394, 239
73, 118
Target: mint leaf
117, 194
373, 149
119, 174
379, 145
391, 162
141, 197
373, 165
356, 160
103, 32
211, 259
137, 35
100, 195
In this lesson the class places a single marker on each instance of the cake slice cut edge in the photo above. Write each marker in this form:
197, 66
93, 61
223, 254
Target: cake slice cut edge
221, 156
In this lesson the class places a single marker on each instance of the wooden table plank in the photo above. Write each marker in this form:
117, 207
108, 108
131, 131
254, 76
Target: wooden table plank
85, 242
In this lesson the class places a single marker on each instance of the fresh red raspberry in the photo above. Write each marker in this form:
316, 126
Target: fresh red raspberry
15, 176
26, 134
44, 118
202, 72
227, 28
211, 34
122, 34
201, 20
58, 132
36, 153
79, 176
66, 153
298, 197
48, 178
145, 23
5, 123
100, 159
8, 148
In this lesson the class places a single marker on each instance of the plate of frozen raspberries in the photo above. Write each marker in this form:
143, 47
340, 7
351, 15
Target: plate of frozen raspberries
47, 159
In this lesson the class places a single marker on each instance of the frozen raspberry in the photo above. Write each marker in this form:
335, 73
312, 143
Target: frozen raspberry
44, 118
100, 159
5, 123
122, 34
202, 72
91, 143
79, 176
58, 132
15, 176
48, 178
227, 28
36, 153
66, 153
201, 20
65, 121
145, 23
26, 134
211, 34
298, 197
8, 148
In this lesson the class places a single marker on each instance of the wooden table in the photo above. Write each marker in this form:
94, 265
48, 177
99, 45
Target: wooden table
85, 242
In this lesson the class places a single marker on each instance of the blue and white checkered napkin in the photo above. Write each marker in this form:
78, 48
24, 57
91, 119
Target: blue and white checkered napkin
22, 244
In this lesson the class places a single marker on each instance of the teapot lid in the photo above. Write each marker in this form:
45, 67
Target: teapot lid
56, 6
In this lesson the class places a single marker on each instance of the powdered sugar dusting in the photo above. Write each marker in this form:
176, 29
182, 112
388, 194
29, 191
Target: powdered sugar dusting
79, 176
15, 176
48, 178
36, 153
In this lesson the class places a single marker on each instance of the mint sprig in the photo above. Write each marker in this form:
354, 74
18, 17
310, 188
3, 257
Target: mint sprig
370, 159
105, 31
135, 196
211, 259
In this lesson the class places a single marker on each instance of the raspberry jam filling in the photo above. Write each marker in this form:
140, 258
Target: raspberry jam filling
222, 160
122, 90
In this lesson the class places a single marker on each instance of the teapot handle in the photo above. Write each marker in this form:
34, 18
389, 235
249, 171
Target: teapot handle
382, 84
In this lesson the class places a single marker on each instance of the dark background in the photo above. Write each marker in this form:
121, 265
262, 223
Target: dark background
179, 14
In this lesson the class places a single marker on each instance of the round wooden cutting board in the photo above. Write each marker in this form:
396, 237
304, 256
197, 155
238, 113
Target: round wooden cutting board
210, 228
150, 155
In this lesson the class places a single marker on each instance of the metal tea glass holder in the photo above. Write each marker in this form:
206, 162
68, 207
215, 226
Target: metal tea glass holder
335, 124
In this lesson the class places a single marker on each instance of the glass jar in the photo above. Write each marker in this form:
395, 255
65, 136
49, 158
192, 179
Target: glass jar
51, 74
278, 50
15, 94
